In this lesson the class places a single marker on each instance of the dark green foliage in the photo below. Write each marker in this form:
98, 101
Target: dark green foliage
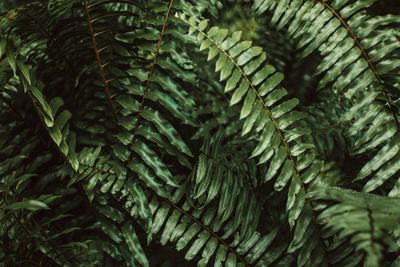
199, 133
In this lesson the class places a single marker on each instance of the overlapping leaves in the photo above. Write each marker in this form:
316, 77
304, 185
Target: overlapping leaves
359, 52
279, 146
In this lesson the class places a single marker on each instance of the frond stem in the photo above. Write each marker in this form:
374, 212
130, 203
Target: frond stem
269, 113
265, 107
351, 33
363, 53
220, 240
152, 70
372, 228
205, 227
98, 58
336, 125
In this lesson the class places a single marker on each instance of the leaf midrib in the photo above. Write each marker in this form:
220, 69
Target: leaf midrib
363, 53
266, 109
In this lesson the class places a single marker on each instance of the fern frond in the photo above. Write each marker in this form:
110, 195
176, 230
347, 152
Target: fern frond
182, 225
355, 46
369, 221
238, 62
329, 130
53, 120
136, 97
98, 59
31, 213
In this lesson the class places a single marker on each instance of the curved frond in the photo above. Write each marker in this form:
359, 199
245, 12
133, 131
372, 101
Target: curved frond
356, 49
270, 118
369, 222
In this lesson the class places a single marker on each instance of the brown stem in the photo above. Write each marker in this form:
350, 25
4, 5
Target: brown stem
259, 97
219, 239
275, 123
151, 73
98, 59
205, 227
363, 53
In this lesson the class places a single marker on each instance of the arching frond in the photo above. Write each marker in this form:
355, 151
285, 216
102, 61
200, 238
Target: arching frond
356, 50
373, 222
247, 74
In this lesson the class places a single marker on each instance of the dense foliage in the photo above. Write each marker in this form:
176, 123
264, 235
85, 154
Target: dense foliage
200, 133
